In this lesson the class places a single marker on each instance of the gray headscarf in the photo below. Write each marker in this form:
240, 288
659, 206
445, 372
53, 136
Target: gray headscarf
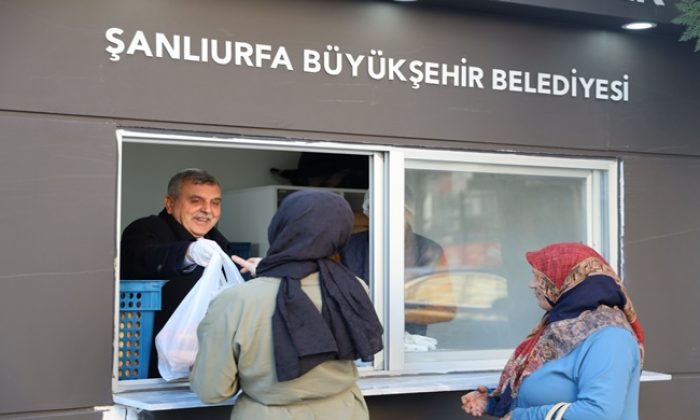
310, 227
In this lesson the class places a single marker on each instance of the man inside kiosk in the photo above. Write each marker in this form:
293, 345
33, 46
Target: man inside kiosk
176, 244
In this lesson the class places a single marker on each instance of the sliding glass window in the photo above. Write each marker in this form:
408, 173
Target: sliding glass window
442, 234
468, 220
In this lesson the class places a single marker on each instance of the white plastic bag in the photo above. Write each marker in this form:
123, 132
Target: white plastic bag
415, 342
176, 343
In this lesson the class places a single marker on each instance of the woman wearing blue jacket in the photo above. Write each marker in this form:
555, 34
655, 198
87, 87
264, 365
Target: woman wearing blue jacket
584, 358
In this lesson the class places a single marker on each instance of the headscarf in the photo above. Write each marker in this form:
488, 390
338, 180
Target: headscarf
585, 295
309, 227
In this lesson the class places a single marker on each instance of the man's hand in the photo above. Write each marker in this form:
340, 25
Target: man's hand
475, 402
248, 265
201, 251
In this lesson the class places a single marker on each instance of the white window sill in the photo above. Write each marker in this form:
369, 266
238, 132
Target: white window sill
183, 397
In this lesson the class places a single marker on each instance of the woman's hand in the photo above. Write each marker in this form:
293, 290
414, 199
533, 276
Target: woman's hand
248, 265
475, 402
507, 416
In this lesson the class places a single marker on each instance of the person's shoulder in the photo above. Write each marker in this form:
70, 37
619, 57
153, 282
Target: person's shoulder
429, 249
251, 292
613, 332
151, 222
228, 296
251, 288
611, 347
612, 337
358, 243
218, 237
359, 236
426, 241
357, 240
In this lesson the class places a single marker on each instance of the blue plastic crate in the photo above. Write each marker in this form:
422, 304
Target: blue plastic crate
138, 301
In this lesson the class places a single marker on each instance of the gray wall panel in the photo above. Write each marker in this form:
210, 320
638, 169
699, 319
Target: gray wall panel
443, 405
59, 64
209, 413
670, 400
56, 264
662, 239
80, 414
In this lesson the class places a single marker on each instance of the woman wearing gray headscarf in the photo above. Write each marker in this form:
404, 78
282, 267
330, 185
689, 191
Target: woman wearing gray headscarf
288, 338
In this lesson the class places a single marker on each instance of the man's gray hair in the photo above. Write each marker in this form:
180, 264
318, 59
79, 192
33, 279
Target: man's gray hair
193, 175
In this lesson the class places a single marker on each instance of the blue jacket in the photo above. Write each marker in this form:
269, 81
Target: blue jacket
600, 377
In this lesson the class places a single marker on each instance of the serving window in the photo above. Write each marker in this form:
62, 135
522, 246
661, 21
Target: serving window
446, 230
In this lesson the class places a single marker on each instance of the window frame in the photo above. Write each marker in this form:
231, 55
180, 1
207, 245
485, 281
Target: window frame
387, 172
601, 177
376, 153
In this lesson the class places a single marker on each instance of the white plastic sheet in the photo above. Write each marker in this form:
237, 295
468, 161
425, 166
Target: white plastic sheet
176, 343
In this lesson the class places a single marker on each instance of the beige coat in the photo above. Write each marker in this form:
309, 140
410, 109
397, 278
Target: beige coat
236, 352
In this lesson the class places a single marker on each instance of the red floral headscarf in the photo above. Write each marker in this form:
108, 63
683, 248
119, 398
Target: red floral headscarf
559, 268
557, 260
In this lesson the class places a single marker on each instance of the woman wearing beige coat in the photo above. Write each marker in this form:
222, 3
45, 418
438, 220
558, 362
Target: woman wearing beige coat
288, 338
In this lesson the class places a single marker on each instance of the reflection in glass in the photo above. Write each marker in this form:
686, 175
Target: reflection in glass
475, 295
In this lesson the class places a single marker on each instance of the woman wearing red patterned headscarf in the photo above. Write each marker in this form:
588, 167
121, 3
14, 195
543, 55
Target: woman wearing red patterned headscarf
584, 357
